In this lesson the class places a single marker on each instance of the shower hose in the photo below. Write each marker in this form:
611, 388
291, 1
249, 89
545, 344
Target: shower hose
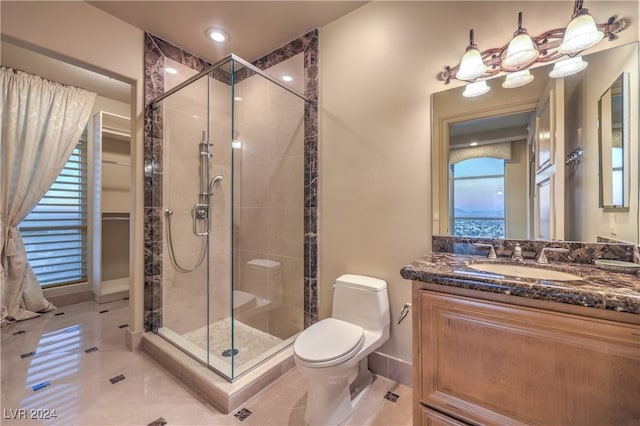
172, 255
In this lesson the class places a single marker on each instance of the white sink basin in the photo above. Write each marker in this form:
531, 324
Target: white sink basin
525, 271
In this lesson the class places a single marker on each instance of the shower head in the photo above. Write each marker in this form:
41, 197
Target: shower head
215, 179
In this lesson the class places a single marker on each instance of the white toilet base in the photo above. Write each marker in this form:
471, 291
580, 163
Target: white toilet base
331, 403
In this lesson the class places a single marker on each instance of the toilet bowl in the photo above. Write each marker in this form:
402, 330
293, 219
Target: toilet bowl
332, 353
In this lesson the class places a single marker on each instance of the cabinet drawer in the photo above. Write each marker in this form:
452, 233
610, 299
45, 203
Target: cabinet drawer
431, 417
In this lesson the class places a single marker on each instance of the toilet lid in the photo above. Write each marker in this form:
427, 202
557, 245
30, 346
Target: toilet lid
328, 339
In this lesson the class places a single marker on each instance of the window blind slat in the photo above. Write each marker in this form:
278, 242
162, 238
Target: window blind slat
55, 231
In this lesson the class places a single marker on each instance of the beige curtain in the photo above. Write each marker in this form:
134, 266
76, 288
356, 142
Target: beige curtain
41, 123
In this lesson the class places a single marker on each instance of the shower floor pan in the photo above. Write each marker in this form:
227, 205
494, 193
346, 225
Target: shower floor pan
187, 364
251, 344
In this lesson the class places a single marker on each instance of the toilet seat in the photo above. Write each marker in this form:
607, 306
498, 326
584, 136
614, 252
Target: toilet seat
328, 342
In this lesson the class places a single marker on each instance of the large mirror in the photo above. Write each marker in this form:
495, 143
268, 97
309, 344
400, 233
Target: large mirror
526, 162
613, 135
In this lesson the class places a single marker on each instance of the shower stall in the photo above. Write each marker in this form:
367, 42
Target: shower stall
231, 188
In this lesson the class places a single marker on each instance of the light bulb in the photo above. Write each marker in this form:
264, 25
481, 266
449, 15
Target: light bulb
568, 67
521, 50
581, 33
517, 79
217, 35
471, 64
475, 89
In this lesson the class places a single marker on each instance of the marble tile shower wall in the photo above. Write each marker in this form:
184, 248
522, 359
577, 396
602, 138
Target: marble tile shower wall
156, 50
579, 252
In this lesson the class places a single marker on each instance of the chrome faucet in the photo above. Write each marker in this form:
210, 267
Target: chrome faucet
492, 251
542, 258
517, 253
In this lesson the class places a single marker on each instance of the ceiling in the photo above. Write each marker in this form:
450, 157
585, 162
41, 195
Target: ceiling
483, 131
255, 28
26, 60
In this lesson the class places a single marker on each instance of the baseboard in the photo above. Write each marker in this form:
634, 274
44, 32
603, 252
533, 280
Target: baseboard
392, 368
71, 298
132, 340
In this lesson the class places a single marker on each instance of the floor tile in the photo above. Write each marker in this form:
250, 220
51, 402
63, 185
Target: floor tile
80, 393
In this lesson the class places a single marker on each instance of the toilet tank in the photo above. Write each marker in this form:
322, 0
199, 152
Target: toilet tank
361, 300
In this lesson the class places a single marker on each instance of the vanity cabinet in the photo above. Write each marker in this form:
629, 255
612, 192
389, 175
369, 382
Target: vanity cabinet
486, 362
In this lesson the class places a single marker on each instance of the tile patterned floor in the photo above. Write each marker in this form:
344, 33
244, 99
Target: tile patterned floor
69, 378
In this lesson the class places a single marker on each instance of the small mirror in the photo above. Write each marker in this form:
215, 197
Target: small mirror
613, 135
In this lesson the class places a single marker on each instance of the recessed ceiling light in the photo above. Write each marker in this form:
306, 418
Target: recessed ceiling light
473, 144
170, 70
287, 78
237, 98
217, 35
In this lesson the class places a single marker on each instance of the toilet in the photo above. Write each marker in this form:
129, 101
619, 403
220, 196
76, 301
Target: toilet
333, 352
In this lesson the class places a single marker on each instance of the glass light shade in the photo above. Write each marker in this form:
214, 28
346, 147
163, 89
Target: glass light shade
517, 79
475, 89
471, 65
581, 33
568, 67
521, 51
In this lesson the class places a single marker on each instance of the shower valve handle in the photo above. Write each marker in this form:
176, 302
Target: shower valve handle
200, 212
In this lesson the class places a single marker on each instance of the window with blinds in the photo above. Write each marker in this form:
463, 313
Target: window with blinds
55, 231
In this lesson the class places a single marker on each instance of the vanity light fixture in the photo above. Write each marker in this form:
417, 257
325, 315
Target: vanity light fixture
524, 51
581, 32
521, 51
517, 79
476, 89
217, 35
471, 66
568, 67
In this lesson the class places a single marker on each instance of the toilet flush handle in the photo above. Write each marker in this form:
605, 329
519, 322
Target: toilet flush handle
404, 312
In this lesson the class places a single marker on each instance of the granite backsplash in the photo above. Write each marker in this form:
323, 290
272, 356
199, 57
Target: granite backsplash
579, 252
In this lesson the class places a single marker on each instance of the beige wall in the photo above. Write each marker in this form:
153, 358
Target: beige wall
83, 35
517, 193
378, 68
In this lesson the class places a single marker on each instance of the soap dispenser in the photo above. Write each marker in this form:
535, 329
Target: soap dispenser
517, 253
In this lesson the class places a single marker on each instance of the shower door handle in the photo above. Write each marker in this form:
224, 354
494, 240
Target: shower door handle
200, 213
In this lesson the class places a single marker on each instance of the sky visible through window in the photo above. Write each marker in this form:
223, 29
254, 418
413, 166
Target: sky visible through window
479, 197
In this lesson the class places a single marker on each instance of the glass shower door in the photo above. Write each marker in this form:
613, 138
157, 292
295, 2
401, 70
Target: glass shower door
185, 132
267, 144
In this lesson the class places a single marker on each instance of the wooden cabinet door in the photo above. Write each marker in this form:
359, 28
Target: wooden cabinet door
494, 363
433, 418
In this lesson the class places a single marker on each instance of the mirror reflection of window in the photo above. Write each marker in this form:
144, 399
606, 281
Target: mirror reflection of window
617, 177
612, 133
478, 198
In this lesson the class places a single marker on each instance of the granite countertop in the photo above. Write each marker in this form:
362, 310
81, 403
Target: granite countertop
599, 289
